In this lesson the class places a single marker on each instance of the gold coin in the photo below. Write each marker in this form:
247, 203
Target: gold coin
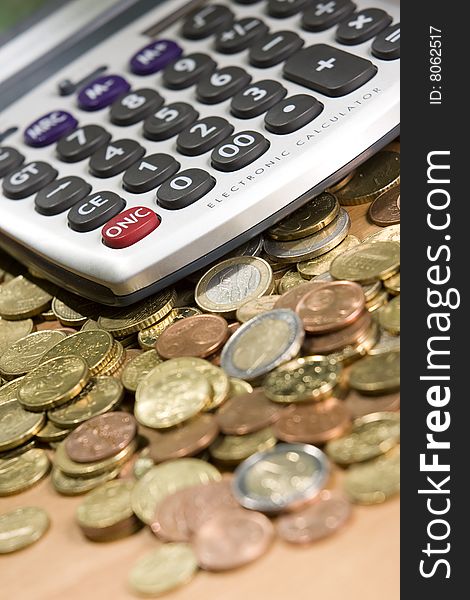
75, 312
22, 527
12, 331
350, 354
138, 368
389, 317
28, 352
20, 298
239, 387
92, 469
141, 466
51, 433
17, 426
341, 183
375, 481
53, 383
385, 343
376, 374
107, 505
124, 321
99, 396
22, 470
289, 280
167, 478
377, 301
95, 346
386, 234
89, 325
117, 360
392, 284
255, 307
74, 486
164, 569
148, 337
9, 390
321, 264
308, 219
235, 448
367, 262
377, 175
232, 282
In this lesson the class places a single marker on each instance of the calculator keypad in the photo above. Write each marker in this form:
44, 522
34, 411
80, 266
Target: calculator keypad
292, 114
386, 45
135, 106
49, 128
27, 180
187, 70
154, 57
149, 172
115, 158
362, 26
82, 143
60, 195
222, 85
184, 189
240, 35
281, 9
10, 159
203, 135
323, 14
169, 121
239, 150
274, 48
102, 92
94, 211
206, 21
257, 98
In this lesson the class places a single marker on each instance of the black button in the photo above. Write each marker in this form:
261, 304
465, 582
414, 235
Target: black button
274, 48
187, 71
257, 99
222, 84
82, 143
246, 1
184, 188
281, 9
149, 173
323, 14
169, 121
239, 150
135, 106
28, 180
362, 26
240, 35
203, 135
95, 210
60, 195
292, 113
205, 21
387, 44
328, 70
10, 159
115, 158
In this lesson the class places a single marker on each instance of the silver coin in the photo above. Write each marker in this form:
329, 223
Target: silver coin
283, 478
314, 245
262, 344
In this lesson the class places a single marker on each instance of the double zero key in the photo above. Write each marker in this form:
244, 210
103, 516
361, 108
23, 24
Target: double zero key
239, 150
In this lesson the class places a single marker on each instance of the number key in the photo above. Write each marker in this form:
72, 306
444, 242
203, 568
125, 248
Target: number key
257, 99
135, 106
82, 143
184, 189
169, 121
239, 150
222, 84
115, 158
203, 135
186, 71
149, 173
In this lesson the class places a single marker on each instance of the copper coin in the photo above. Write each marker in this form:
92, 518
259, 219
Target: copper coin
204, 500
313, 423
359, 405
232, 328
247, 413
187, 440
385, 210
319, 520
170, 523
291, 298
232, 538
337, 340
333, 306
197, 336
101, 437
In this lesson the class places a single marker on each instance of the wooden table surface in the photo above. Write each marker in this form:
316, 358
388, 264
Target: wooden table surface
360, 562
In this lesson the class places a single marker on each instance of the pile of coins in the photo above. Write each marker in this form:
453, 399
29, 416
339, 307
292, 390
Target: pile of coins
258, 398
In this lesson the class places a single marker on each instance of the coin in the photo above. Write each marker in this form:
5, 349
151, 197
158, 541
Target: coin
256, 307
12, 331
118, 357
17, 426
91, 469
314, 245
28, 352
21, 471
374, 481
371, 290
377, 301
262, 344
336, 340
95, 346
286, 477
53, 383
164, 569
22, 527
367, 262
232, 282
8, 391
148, 337
321, 264
51, 433
385, 209
291, 298
231, 539
238, 387
342, 182
138, 368
376, 374
197, 336
247, 413
352, 353
303, 379
289, 280
74, 486
387, 234
232, 449
204, 500
72, 311
359, 405
389, 317
169, 523
312, 217
20, 299
385, 343
101, 437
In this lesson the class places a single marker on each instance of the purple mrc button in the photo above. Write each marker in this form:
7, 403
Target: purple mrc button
102, 92
155, 57
49, 128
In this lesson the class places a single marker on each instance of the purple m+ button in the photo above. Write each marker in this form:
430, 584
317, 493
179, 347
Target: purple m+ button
155, 57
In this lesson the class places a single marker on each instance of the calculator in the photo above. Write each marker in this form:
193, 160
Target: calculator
187, 130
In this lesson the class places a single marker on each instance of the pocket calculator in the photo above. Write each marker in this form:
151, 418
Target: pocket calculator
195, 127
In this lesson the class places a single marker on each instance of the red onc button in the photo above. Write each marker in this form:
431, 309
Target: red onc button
129, 227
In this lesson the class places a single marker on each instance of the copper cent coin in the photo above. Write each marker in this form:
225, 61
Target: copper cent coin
232, 538
204, 500
247, 413
101, 437
337, 340
385, 210
170, 523
359, 405
291, 298
199, 336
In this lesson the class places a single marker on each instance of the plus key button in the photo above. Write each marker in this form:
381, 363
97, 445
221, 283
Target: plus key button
129, 227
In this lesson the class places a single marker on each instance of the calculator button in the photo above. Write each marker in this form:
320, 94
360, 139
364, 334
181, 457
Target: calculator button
281, 9
246, 1
82, 143
95, 210
240, 35
115, 158
257, 99
10, 159
328, 70
387, 44
187, 71
203, 135
274, 48
239, 150
102, 92
154, 57
28, 180
49, 128
292, 114
362, 26
206, 21
135, 106
325, 13
169, 121
184, 189
60, 195
129, 227
222, 84
149, 173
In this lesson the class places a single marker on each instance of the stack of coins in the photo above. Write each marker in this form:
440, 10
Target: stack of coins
256, 398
